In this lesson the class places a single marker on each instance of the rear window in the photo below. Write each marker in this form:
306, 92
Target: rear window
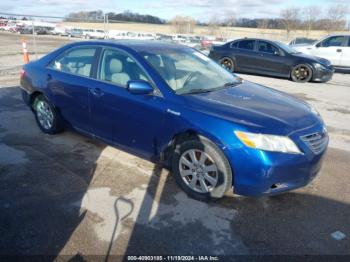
246, 44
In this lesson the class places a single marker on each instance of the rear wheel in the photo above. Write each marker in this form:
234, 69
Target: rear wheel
301, 73
46, 116
201, 169
227, 63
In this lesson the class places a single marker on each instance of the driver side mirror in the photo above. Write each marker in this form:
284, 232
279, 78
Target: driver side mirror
139, 87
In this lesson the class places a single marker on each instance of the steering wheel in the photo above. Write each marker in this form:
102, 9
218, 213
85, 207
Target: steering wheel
190, 77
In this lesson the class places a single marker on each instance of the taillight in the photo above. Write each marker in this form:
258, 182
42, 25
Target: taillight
22, 73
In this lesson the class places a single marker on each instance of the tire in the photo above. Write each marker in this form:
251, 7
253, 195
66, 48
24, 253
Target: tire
228, 63
301, 73
214, 158
46, 116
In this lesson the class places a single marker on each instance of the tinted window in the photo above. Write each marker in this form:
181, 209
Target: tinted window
76, 61
333, 41
119, 68
234, 45
246, 44
267, 48
349, 41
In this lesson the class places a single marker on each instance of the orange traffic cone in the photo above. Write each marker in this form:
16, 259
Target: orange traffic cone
25, 51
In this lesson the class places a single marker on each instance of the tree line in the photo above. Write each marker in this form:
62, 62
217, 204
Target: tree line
126, 16
331, 18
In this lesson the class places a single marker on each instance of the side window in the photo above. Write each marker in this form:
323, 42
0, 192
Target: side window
348, 41
246, 44
119, 68
333, 41
77, 61
267, 48
234, 45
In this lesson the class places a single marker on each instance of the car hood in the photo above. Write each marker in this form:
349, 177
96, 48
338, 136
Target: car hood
313, 58
256, 108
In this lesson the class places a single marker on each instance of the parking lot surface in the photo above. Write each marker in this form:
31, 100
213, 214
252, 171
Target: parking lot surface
71, 195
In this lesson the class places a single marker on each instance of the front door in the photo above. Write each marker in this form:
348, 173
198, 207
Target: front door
345, 56
270, 59
131, 121
330, 48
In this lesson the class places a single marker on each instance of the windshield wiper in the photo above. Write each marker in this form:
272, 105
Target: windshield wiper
230, 84
198, 91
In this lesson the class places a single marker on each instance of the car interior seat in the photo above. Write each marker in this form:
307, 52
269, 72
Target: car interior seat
167, 71
118, 75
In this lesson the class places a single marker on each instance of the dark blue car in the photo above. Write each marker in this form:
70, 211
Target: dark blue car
170, 103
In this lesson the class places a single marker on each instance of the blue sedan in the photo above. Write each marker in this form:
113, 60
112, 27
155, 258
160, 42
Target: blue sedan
170, 103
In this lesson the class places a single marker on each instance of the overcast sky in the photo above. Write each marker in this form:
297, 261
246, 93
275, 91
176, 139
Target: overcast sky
203, 10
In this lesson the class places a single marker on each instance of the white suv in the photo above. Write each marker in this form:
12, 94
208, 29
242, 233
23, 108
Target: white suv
335, 48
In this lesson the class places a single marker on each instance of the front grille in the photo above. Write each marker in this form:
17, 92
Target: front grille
317, 142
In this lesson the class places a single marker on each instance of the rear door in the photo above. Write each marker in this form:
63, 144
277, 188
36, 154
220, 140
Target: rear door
245, 55
69, 78
330, 48
345, 56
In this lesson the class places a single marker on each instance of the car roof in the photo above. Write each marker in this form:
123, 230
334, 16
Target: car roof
255, 39
136, 45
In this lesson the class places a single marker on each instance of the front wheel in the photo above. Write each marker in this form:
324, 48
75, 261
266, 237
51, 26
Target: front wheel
201, 169
301, 73
46, 116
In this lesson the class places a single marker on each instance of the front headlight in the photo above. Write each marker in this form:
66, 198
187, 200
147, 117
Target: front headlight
319, 66
268, 142
314, 111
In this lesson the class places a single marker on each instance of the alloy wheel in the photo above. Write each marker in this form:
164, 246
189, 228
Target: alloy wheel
302, 73
45, 114
228, 64
198, 170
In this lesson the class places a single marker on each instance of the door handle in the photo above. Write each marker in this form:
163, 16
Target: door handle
96, 92
339, 50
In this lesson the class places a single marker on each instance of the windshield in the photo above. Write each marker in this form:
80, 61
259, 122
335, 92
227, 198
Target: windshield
287, 48
188, 71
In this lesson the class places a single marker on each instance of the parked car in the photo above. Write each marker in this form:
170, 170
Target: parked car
60, 30
10, 27
302, 40
93, 34
170, 103
140, 36
164, 37
75, 32
38, 30
25, 30
117, 34
3, 26
207, 42
273, 58
335, 48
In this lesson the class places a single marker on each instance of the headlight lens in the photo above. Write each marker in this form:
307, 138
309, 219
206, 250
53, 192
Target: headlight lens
319, 66
314, 111
268, 142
